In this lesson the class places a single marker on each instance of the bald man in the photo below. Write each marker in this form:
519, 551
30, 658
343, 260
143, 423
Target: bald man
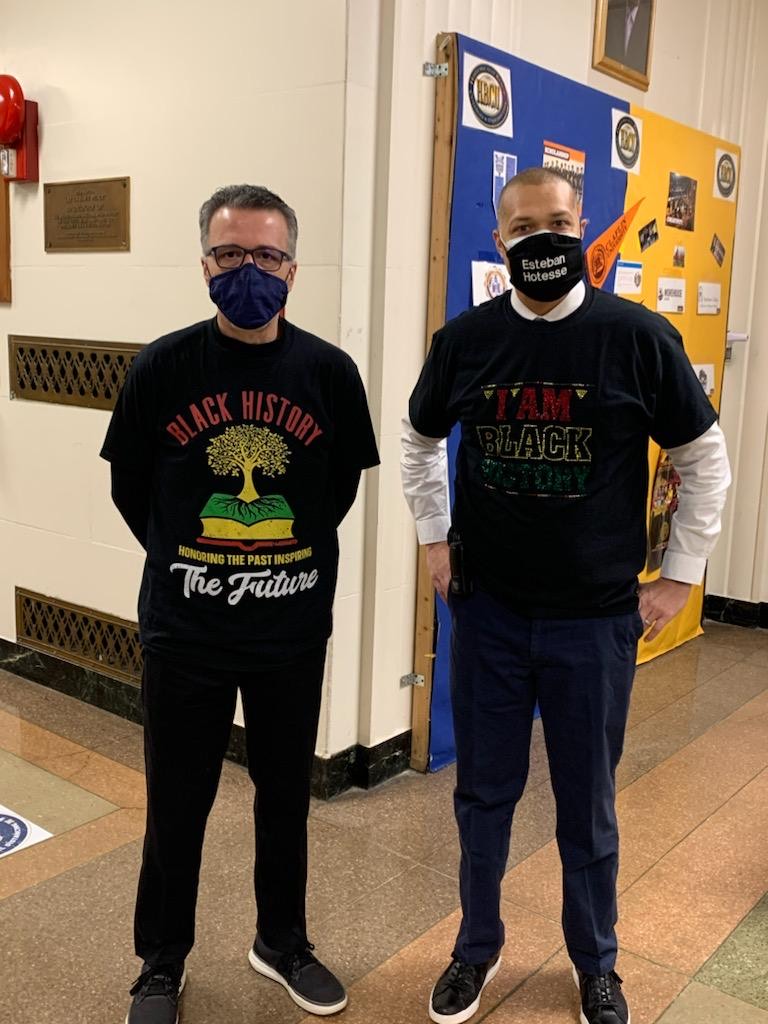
557, 389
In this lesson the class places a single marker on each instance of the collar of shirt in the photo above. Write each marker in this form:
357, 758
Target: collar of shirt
570, 303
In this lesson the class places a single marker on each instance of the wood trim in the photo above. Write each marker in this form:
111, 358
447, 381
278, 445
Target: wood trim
446, 104
5, 241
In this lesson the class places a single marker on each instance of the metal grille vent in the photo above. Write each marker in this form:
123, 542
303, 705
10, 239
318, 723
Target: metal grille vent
86, 373
81, 635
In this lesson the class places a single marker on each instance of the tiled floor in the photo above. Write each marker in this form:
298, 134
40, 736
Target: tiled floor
693, 805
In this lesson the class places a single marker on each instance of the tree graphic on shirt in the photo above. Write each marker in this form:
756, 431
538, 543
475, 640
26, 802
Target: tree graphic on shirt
245, 448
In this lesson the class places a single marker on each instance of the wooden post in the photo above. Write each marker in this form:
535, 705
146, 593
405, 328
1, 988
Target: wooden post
442, 189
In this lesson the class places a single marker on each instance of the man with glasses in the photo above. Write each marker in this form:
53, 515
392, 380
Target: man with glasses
236, 447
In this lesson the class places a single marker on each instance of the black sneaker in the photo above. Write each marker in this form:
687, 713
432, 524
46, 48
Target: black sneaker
602, 1001
456, 996
307, 981
156, 995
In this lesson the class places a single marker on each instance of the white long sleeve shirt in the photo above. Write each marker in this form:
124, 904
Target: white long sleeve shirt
702, 465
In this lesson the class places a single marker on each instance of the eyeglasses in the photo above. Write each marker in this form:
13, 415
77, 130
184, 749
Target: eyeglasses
230, 257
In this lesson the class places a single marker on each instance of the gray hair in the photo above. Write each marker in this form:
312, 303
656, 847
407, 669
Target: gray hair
247, 197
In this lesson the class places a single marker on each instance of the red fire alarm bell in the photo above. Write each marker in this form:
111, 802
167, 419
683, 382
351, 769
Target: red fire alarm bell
18, 133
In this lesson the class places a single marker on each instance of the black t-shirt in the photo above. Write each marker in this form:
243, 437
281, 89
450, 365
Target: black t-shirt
552, 468
240, 447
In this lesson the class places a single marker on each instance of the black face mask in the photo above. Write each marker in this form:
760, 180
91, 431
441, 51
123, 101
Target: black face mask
545, 266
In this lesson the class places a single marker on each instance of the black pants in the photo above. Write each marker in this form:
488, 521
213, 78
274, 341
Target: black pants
188, 712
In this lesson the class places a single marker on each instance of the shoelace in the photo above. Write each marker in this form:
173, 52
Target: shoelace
156, 983
461, 976
600, 990
292, 963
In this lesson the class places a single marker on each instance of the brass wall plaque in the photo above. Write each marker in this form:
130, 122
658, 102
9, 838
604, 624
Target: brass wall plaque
88, 215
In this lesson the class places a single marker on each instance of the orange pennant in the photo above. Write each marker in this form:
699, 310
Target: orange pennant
602, 253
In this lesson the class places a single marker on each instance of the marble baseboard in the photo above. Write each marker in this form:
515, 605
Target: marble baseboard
358, 766
750, 614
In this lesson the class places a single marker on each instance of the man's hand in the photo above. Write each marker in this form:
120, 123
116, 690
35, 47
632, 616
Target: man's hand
660, 602
439, 566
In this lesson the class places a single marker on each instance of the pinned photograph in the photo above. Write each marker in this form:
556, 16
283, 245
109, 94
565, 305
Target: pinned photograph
671, 295
568, 162
678, 256
488, 281
706, 375
648, 234
718, 250
664, 502
681, 202
504, 168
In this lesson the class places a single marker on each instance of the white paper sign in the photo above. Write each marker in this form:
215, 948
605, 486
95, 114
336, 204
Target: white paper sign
488, 281
670, 296
487, 96
627, 141
706, 374
629, 278
709, 298
17, 832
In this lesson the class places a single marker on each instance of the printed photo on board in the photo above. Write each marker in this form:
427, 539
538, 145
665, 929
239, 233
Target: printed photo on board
648, 234
678, 256
681, 202
568, 162
718, 250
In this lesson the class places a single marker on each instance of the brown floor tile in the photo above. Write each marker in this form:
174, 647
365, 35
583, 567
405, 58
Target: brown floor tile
699, 1004
85, 768
661, 682
69, 850
404, 981
411, 814
362, 936
658, 737
684, 907
48, 801
661, 807
66, 716
551, 997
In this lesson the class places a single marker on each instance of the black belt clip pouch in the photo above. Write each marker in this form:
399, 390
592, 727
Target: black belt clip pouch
461, 582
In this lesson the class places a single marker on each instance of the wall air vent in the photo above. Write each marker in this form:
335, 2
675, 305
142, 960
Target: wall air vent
67, 372
104, 643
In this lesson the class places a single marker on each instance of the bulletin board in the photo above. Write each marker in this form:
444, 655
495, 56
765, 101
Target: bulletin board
660, 200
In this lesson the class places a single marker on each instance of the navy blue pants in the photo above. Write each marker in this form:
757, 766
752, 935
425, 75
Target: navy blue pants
581, 672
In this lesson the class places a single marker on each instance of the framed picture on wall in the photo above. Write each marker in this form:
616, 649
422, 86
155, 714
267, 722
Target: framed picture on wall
624, 40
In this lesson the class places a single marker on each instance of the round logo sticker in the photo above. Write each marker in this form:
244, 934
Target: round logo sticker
598, 263
495, 283
726, 175
627, 141
488, 95
13, 832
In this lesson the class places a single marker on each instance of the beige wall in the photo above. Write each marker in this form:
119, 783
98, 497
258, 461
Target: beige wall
324, 101
182, 97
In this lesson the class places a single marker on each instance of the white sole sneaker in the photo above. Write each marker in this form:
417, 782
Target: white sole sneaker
582, 1018
182, 983
262, 967
471, 1010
